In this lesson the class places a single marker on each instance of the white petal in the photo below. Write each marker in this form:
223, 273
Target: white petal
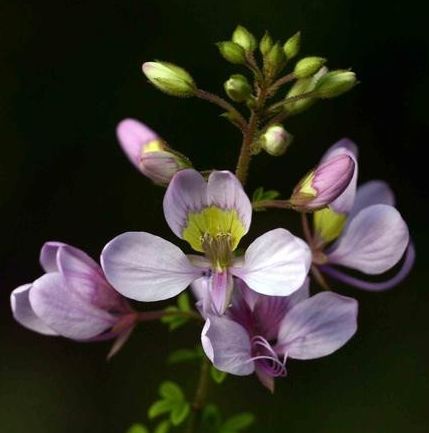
373, 241
147, 268
275, 264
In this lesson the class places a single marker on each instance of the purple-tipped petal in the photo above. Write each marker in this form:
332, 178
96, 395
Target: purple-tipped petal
372, 192
225, 191
66, 311
187, 192
275, 264
378, 286
318, 326
132, 136
147, 268
85, 276
227, 345
373, 241
269, 311
48, 256
344, 203
24, 313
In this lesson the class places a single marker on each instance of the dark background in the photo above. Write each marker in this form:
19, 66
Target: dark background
70, 70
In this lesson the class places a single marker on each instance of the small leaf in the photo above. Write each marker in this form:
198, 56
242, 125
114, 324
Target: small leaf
211, 419
163, 427
183, 302
180, 413
184, 355
257, 194
217, 375
172, 320
137, 428
270, 195
159, 408
237, 423
171, 391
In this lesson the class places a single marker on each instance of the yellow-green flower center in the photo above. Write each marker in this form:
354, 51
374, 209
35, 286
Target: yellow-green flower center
156, 145
328, 224
215, 232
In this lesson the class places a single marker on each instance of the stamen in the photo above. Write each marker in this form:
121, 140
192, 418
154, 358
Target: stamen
270, 361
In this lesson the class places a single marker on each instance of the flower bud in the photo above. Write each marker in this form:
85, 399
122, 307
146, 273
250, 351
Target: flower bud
266, 44
335, 83
274, 60
292, 46
300, 87
149, 153
308, 66
238, 88
324, 184
169, 78
232, 52
244, 38
275, 140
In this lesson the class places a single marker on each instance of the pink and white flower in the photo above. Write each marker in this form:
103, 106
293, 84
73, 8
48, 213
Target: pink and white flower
212, 216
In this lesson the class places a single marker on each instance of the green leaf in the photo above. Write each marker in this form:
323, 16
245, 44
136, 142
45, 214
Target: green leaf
159, 408
258, 193
210, 419
163, 427
172, 320
184, 355
183, 302
217, 375
271, 195
237, 423
137, 428
180, 413
171, 391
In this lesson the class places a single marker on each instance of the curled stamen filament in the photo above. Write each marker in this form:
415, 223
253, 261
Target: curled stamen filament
277, 367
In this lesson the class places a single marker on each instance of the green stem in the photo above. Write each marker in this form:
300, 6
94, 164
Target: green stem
217, 100
200, 396
249, 136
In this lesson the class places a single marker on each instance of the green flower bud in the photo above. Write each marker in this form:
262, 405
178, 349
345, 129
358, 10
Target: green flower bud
169, 78
266, 44
335, 83
274, 60
238, 88
275, 140
292, 45
308, 66
232, 52
244, 38
305, 85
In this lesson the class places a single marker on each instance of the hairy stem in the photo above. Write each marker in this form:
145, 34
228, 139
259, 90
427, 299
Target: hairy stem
249, 135
200, 396
217, 100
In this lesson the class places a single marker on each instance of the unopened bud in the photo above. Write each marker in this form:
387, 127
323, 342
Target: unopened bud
275, 140
265, 44
335, 83
292, 46
301, 87
274, 60
324, 184
308, 66
149, 153
244, 38
169, 78
238, 88
232, 52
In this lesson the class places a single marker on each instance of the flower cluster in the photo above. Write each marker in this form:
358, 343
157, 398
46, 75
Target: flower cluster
255, 301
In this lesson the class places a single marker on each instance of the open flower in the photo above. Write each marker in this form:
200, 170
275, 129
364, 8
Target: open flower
361, 230
259, 333
72, 299
212, 216
148, 152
